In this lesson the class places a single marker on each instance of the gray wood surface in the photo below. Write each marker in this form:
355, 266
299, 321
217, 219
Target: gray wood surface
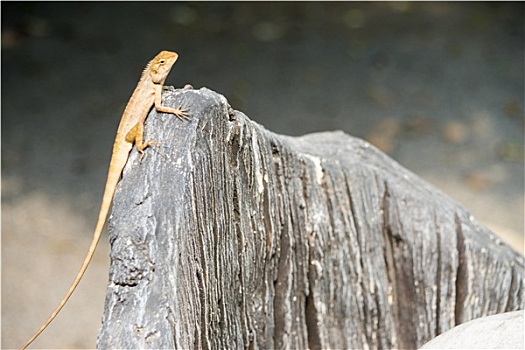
229, 236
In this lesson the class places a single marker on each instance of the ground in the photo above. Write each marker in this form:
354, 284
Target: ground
437, 86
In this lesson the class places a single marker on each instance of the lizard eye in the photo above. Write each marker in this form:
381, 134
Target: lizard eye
162, 61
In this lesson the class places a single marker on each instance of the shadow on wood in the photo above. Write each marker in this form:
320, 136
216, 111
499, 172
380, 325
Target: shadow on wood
229, 236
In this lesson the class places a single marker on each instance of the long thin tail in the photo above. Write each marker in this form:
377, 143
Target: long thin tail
111, 184
91, 251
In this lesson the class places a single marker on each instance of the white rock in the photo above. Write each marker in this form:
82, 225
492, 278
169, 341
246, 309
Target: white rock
501, 331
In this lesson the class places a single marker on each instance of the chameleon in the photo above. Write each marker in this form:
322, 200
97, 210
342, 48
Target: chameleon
130, 132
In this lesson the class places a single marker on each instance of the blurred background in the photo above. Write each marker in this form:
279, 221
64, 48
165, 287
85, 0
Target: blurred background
438, 86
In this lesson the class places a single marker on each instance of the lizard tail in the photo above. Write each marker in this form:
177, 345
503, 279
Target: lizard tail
89, 256
104, 210
118, 160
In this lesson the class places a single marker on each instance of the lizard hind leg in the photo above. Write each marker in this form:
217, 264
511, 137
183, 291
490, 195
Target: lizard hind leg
136, 135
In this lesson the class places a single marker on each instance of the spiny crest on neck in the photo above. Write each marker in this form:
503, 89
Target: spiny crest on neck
159, 67
145, 71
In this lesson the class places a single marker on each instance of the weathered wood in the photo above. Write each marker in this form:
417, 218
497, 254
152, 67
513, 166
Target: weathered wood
230, 236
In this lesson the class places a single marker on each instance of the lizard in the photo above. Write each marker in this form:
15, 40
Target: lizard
130, 132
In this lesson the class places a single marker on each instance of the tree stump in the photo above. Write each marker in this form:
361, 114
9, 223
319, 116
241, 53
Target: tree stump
228, 236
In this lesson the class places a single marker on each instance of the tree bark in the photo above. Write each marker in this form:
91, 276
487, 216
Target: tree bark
229, 236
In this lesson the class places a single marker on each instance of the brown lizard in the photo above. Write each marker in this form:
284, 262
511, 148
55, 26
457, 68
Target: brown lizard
130, 131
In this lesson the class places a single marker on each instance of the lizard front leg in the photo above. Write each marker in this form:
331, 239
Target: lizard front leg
179, 113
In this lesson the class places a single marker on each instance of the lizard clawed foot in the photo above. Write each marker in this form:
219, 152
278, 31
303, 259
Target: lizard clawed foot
182, 114
143, 146
153, 144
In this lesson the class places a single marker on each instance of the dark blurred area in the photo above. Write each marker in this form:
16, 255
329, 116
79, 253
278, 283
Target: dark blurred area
439, 86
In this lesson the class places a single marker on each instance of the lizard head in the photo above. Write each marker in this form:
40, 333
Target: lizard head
160, 66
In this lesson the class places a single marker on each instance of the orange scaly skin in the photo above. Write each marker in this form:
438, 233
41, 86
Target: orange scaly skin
130, 131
